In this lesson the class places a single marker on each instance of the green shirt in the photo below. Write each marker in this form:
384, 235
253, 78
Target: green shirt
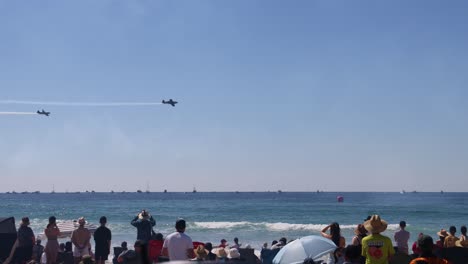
377, 249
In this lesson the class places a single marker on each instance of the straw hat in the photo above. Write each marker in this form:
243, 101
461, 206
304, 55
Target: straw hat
234, 253
442, 233
375, 224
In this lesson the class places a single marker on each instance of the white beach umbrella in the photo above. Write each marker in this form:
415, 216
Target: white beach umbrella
306, 247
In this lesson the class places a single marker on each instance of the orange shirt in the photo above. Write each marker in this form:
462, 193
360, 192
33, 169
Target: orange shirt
430, 260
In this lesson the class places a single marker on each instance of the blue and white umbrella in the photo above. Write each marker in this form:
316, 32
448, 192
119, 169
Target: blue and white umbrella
306, 247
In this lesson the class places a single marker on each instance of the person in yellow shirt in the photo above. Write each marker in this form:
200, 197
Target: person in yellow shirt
376, 248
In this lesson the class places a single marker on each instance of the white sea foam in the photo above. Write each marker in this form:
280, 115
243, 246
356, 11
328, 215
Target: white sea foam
274, 226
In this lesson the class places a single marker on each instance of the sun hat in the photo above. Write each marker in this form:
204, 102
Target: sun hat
201, 252
375, 224
360, 230
442, 233
221, 253
234, 253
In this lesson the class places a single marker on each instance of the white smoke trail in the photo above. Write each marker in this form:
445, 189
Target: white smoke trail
80, 103
18, 113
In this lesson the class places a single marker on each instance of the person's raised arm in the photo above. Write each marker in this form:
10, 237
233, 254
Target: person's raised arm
152, 221
135, 221
324, 230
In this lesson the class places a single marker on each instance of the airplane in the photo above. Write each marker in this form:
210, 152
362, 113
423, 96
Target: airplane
43, 112
171, 102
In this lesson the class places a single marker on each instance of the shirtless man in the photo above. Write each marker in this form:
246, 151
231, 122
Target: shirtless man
80, 239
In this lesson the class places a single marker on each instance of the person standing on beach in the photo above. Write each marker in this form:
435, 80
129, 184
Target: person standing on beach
426, 244
102, 239
376, 248
178, 246
80, 239
52, 246
144, 223
335, 236
26, 241
401, 238
451, 239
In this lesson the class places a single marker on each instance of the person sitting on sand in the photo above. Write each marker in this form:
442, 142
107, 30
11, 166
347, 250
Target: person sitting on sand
223, 243
401, 238
376, 248
281, 243
38, 249
201, 254
236, 243
144, 223
450, 240
136, 256
426, 244
211, 255
80, 239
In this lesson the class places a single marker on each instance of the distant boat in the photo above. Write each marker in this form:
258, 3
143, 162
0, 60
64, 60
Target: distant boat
112, 191
279, 191
237, 191
194, 190
139, 191
147, 188
415, 192
165, 191
441, 192
37, 192
53, 189
13, 192
402, 192
92, 191
24, 192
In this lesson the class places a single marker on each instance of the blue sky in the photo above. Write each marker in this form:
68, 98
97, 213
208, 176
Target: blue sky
298, 96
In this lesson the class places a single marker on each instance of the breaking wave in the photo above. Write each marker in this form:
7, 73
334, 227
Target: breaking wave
273, 226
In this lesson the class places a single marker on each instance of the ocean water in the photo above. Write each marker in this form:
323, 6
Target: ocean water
254, 218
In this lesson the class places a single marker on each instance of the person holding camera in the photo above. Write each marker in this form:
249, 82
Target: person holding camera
144, 223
